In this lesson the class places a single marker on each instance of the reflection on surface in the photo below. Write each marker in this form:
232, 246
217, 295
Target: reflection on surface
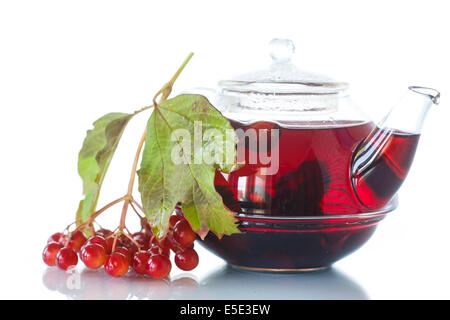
96, 284
230, 283
223, 283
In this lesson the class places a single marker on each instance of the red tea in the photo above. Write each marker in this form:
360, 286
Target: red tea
315, 168
380, 166
313, 172
346, 168
283, 245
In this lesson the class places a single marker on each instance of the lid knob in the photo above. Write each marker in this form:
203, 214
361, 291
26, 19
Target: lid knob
281, 50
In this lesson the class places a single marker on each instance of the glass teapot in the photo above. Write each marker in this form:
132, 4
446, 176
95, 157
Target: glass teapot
316, 174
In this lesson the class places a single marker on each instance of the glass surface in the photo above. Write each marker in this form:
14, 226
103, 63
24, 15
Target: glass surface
282, 76
284, 93
306, 150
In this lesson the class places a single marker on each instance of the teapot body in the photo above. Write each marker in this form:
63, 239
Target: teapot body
301, 170
294, 198
315, 174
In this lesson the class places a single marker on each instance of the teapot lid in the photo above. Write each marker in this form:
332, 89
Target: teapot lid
282, 76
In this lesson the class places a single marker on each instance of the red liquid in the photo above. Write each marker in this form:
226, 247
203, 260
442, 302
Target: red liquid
380, 169
279, 245
314, 179
315, 170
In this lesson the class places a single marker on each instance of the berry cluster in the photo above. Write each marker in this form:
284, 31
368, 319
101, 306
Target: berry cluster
118, 252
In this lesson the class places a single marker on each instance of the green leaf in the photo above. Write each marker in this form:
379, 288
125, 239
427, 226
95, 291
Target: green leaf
95, 156
181, 133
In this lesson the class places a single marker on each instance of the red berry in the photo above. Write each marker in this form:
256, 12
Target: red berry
127, 243
79, 239
109, 244
167, 243
143, 245
103, 232
116, 264
125, 252
98, 240
142, 240
56, 237
183, 233
93, 255
66, 257
146, 227
157, 249
158, 266
174, 219
140, 261
191, 246
124, 240
186, 260
64, 239
50, 252
138, 235
177, 248
132, 249
74, 245
163, 247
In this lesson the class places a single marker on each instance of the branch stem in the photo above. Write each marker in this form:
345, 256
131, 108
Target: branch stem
128, 198
97, 213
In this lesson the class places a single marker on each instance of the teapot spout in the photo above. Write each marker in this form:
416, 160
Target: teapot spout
381, 162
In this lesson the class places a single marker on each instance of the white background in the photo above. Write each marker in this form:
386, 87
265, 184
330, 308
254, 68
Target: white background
63, 64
